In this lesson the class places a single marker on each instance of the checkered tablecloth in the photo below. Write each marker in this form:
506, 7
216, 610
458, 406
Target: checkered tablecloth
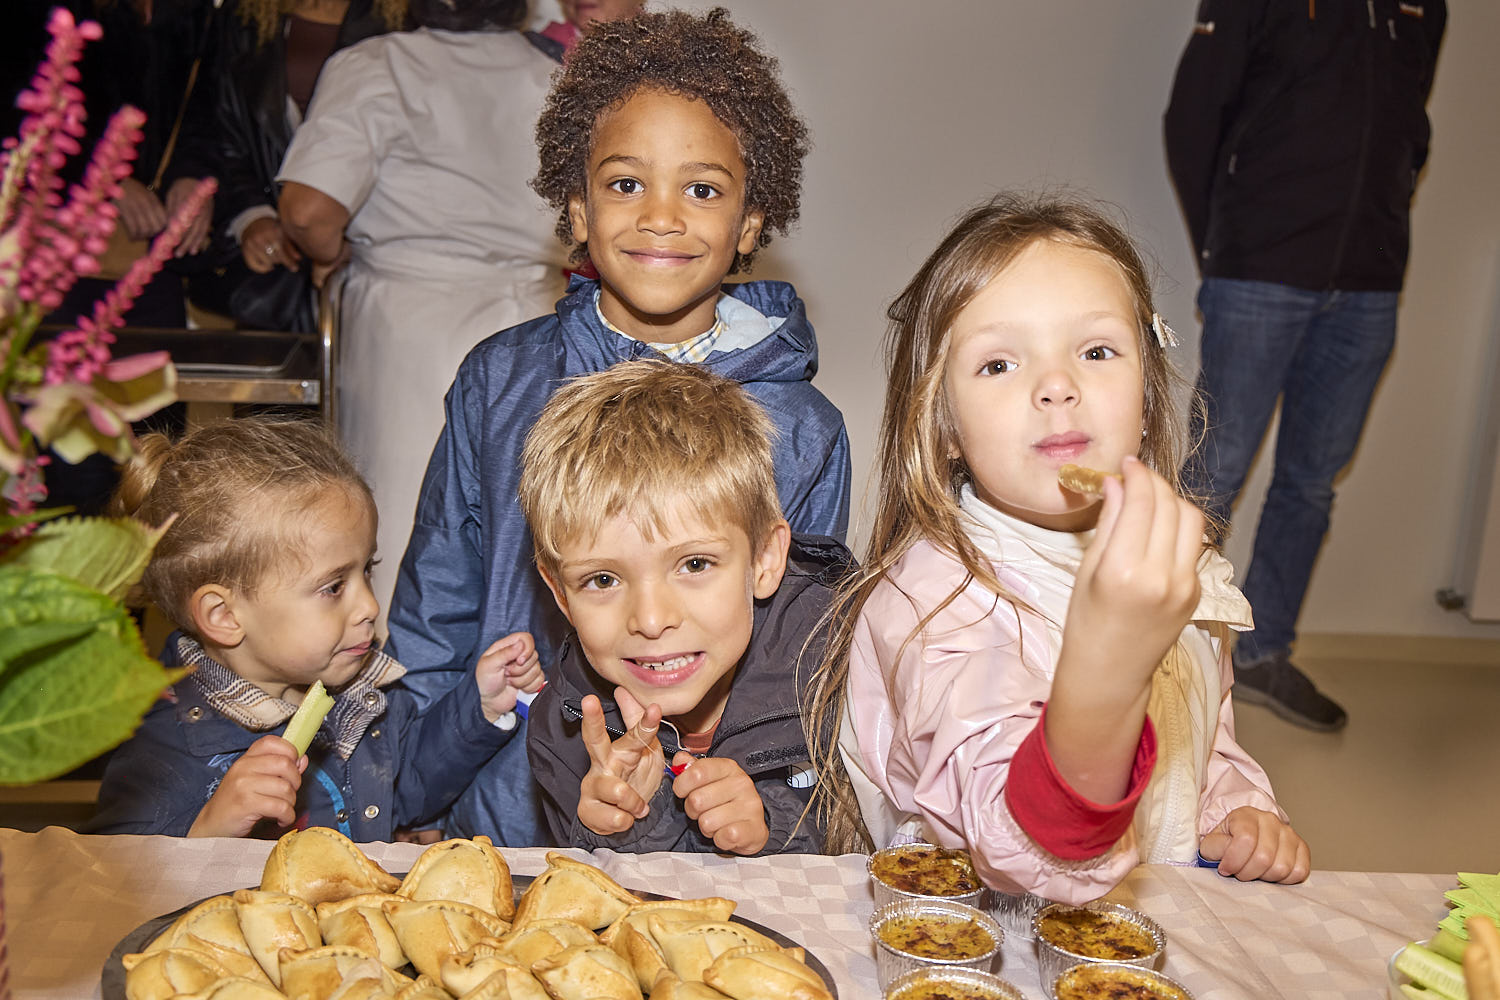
70, 898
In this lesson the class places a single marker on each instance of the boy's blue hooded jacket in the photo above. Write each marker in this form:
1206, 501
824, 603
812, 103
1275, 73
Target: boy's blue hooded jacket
468, 578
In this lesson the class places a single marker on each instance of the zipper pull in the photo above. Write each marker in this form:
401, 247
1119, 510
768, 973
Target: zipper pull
1233, 159
1370, 5
1390, 23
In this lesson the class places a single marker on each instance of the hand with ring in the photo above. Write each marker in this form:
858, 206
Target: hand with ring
264, 245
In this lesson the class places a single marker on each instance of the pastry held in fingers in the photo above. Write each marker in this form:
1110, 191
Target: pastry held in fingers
1081, 479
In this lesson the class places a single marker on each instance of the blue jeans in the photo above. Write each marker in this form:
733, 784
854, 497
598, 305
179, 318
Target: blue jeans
1322, 354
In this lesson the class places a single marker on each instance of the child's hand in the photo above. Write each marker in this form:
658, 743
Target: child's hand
1138, 582
623, 774
508, 666
262, 784
1254, 844
1135, 590
718, 793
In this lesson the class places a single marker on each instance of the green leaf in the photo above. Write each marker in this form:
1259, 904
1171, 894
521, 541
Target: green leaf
22, 641
104, 554
67, 702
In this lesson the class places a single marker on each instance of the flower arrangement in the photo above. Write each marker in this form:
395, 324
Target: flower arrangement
75, 678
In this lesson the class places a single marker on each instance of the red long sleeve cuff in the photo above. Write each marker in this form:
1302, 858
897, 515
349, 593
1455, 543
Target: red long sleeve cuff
1059, 819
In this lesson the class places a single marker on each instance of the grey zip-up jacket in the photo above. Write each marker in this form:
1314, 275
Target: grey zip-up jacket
761, 727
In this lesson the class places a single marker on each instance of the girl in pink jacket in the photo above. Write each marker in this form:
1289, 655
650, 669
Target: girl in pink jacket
1037, 674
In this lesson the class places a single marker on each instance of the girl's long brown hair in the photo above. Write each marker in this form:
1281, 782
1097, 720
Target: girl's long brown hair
920, 470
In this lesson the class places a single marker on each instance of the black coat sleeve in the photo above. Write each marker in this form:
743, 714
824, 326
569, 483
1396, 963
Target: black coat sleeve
1205, 102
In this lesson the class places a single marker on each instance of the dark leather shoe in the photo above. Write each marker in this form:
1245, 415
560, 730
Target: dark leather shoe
1287, 691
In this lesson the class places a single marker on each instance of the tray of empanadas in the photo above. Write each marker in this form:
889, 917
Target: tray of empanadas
328, 923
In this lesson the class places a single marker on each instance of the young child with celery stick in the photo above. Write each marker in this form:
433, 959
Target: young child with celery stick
265, 569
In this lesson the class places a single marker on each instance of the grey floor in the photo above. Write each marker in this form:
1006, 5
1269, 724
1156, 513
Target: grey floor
1411, 784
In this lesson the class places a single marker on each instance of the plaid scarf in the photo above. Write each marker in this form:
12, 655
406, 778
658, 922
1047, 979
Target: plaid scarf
355, 706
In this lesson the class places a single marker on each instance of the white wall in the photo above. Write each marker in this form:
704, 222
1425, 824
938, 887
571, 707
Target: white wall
920, 109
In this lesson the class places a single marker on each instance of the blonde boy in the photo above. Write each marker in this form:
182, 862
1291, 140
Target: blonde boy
672, 718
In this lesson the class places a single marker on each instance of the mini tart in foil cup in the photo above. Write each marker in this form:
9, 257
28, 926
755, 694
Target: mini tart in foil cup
1052, 959
1096, 980
909, 860
1013, 911
891, 961
951, 984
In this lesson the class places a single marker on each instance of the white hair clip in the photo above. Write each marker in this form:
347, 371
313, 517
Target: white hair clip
1165, 335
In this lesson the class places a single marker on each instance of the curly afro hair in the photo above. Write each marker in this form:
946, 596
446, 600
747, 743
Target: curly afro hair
706, 58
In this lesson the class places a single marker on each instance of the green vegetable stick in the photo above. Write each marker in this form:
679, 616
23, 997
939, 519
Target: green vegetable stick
308, 717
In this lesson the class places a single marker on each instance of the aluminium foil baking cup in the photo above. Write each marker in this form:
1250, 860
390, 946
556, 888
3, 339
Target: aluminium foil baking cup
1052, 960
886, 893
1152, 975
1013, 911
976, 983
890, 963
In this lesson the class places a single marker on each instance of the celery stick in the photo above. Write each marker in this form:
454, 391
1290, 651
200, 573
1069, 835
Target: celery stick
1448, 944
1429, 969
308, 717
1418, 993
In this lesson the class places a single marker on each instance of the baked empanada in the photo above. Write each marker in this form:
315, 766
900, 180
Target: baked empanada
165, 973
765, 974
464, 871
670, 987
467, 971
538, 939
319, 973
235, 988
359, 922
213, 927
1082, 479
505, 986
592, 972
572, 890
364, 989
631, 938
319, 864
707, 908
430, 930
272, 921
690, 946
423, 988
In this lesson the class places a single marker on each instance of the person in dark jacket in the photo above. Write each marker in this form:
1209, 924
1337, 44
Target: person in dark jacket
265, 562
1295, 135
268, 55
672, 720
467, 574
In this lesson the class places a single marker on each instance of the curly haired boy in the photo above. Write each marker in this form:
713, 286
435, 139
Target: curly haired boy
672, 153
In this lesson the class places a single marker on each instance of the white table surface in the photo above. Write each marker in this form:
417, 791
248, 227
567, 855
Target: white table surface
68, 899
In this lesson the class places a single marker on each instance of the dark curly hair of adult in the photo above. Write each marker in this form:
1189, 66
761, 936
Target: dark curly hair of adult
705, 57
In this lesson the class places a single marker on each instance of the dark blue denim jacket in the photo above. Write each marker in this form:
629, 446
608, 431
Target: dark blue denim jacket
407, 767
